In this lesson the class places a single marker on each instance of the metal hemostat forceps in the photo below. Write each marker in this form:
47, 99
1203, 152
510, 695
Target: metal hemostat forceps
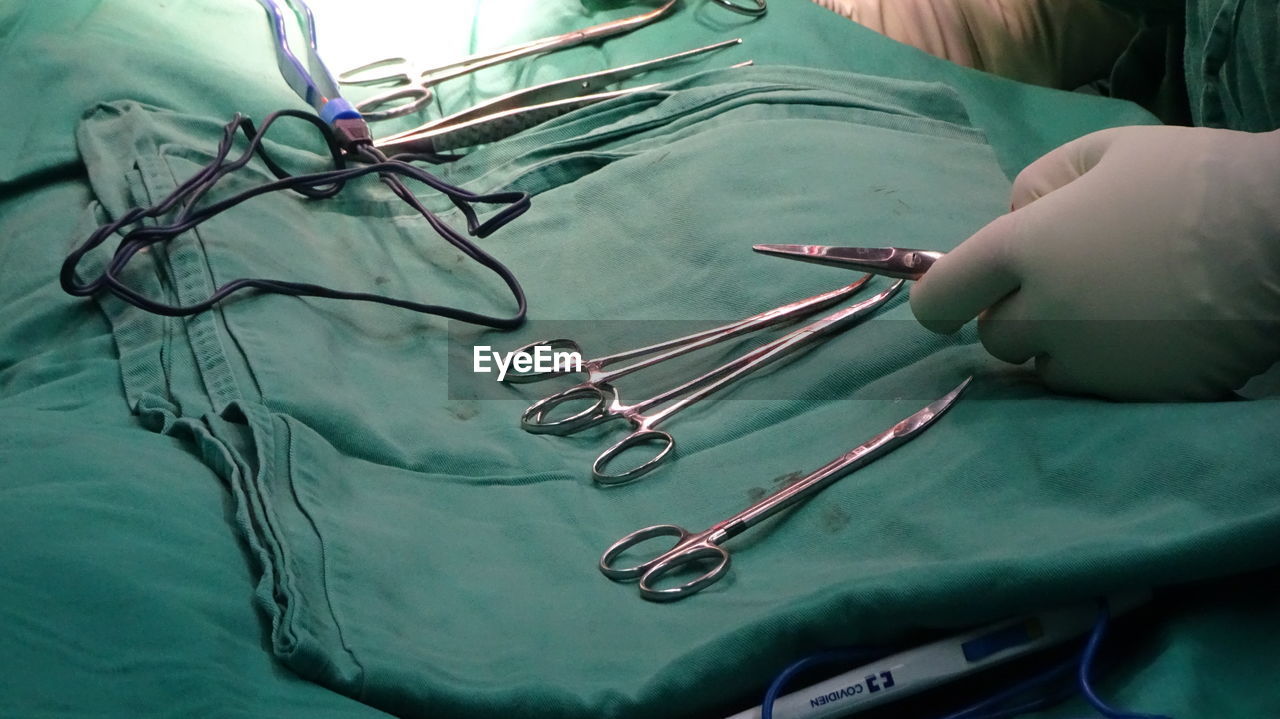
900, 262
508, 114
414, 83
607, 405
705, 545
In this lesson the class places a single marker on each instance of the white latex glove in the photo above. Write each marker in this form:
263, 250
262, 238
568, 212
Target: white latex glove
1137, 263
1057, 43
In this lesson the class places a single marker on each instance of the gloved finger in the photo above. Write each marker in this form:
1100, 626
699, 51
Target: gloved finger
1008, 332
1060, 167
968, 279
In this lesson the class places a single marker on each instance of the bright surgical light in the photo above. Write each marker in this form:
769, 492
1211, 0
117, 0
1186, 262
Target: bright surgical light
430, 32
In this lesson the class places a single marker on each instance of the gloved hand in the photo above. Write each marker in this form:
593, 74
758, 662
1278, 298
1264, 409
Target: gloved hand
1056, 43
1137, 263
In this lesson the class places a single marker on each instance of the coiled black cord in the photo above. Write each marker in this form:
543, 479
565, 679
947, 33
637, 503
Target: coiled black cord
316, 186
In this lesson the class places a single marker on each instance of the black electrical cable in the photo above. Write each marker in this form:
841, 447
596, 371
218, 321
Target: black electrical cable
316, 186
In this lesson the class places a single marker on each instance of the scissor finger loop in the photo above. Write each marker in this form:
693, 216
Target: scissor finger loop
536, 419
639, 536
362, 75
705, 545
756, 8
599, 468
690, 552
417, 95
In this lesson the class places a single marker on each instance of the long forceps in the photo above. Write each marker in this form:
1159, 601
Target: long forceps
645, 426
508, 114
414, 83
900, 262
705, 545
597, 386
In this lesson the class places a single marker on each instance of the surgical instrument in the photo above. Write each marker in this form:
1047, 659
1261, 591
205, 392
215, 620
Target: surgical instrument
595, 387
415, 84
346, 136
692, 548
645, 426
756, 9
919, 669
897, 262
311, 80
515, 111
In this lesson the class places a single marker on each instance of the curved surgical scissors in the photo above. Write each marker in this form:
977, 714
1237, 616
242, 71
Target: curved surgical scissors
413, 83
900, 262
608, 406
705, 545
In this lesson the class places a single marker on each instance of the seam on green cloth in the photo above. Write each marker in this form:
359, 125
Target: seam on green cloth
253, 449
292, 466
151, 345
193, 282
217, 451
689, 111
681, 102
134, 331
944, 103
249, 431
1215, 54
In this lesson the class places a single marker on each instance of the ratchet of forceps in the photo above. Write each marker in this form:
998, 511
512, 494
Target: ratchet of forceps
413, 84
705, 545
900, 262
607, 405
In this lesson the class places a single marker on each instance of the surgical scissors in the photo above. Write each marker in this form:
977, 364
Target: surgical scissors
705, 545
607, 405
899, 262
414, 84
508, 114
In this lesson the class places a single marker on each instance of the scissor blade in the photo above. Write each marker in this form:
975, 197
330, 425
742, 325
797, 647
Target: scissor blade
883, 443
859, 456
900, 262
927, 416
